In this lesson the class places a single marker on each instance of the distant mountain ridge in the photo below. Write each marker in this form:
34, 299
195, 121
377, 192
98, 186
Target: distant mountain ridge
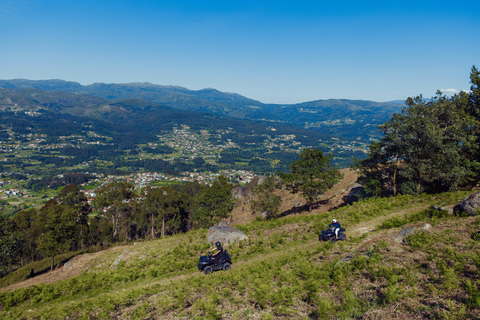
347, 118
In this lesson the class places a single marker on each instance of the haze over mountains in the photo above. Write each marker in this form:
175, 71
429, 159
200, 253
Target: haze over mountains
345, 118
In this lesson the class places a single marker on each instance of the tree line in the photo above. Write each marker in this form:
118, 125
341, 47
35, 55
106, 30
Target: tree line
68, 223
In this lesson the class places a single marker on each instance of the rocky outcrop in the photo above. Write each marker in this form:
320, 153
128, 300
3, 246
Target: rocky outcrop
471, 204
419, 227
224, 234
356, 192
246, 191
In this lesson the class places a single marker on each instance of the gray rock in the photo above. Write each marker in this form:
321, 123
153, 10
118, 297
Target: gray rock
264, 214
407, 231
356, 193
422, 226
471, 204
224, 234
119, 258
446, 209
239, 192
246, 191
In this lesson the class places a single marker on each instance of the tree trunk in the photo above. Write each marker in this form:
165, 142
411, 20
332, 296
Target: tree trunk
53, 263
163, 227
114, 226
153, 228
395, 181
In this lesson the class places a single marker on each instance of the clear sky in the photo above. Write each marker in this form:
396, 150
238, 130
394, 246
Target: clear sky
272, 51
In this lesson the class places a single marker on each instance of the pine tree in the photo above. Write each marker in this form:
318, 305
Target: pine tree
311, 175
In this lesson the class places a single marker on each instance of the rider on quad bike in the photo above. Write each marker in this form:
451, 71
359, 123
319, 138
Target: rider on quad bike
334, 233
220, 260
335, 226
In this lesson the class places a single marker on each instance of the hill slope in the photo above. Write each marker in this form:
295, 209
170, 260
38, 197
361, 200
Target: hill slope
281, 272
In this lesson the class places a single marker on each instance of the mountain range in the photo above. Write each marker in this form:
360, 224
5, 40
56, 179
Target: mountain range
340, 117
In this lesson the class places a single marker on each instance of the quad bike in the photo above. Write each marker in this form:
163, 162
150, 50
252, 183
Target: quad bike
219, 261
329, 234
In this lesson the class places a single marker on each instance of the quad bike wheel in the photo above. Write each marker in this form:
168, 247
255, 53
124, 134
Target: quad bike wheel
208, 270
226, 266
343, 237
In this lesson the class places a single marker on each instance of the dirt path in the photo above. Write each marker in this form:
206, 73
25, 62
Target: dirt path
371, 225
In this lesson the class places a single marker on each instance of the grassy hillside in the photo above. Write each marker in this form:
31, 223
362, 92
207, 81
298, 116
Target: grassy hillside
281, 272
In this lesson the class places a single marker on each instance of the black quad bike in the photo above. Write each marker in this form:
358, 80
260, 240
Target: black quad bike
219, 261
329, 234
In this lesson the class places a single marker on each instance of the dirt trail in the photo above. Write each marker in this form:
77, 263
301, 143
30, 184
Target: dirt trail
371, 225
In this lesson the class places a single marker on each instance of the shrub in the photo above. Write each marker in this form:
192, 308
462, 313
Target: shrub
475, 236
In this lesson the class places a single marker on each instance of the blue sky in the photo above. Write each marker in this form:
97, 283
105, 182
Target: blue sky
272, 51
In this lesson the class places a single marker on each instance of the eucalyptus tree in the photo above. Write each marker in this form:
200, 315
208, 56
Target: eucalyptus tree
113, 202
76, 200
163, 204
59, 229
26, 223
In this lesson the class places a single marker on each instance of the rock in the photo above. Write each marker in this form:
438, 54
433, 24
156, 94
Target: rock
246, 191
298, 204
119, 258
224, 235
264, 214
223, 224
239, 192
446, 209
407, 231
356, 193
471, 204
422, 226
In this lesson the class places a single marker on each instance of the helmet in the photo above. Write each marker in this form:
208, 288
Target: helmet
334, 220
218, 245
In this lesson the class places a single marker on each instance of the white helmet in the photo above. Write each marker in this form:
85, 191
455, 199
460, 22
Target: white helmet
334, 220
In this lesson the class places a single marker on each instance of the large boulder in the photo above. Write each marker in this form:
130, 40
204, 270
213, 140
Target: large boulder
224, 234
471, 204
356, 192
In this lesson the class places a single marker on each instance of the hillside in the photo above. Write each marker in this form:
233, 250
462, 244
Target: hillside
281, 272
